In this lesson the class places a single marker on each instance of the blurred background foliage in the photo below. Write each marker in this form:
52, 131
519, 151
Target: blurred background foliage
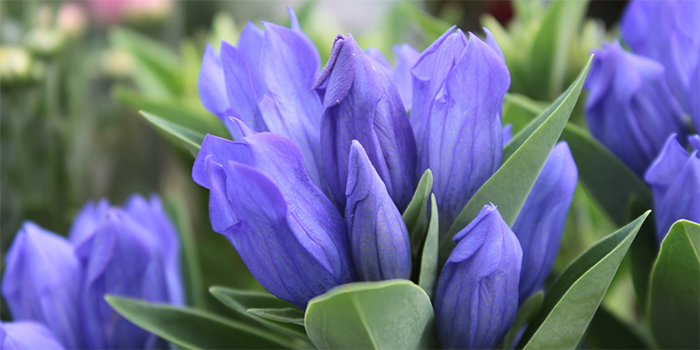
73, 76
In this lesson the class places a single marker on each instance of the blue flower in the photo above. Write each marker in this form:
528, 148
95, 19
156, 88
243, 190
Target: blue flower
406, 57
667, 31
630, 108
540, 224
288, 233
477, 292
131, 251
675, 181
379, 242
27, 335
458, 90
362, 103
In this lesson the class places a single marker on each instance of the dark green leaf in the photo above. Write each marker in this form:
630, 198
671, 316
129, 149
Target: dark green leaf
190, 139
429, 256
510, 185
393, 314
416, 214
193, 328
242, 301
607, 332
575, 296
674, 293
526, 313
286, 315
643, 252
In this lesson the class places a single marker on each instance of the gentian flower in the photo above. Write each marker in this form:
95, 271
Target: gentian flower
288, 233
131, 251
458, 90
675, 181
630, 108
667, 31
27, 335
540, 224
362, 103
406, 57
477, 292
379, 241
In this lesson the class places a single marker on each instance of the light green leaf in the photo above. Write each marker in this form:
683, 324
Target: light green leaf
510, 185
242, 301
429, 256
526, 314
190, 139
432, 27
674, 292
394, 314
285, 315
193, 328
575, 296
416, 214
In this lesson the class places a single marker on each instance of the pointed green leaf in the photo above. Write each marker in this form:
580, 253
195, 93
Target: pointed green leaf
674, 292
575, 296
193, 328
429, 256
526, 314
510, 185
395, 314
285, 315
190, 139
416, 214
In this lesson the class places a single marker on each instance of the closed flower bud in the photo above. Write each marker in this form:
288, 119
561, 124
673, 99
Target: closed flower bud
406, 57
630, 108
42, 282
458, 90
667, 31
288, 233
477, 293
540, 224
675, 181
27, 335
362, 103
379, 242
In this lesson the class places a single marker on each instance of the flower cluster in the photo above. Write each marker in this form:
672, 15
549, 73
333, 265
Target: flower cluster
324, 162
56, 286
638, 99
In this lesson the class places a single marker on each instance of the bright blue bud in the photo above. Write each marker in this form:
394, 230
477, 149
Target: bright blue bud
406, 57
458, 90
477, 293
630, 108
675, 181
362, 103
667, 31
376, 55
540, 224
27, 335
379, 242
42, 282
288, 233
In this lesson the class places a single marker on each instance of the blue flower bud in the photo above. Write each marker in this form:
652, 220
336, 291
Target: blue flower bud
406, 57
540, 224
288, 233
477, 293
675, 181
458, 90
42, 282
379, 242
27, 335
667, 32
630, 108
362, 103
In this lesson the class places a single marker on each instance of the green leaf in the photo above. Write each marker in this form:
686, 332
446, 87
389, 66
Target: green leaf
674, 293
393, 314
193, 328
190, 139
510, 185
286, 315
192, 271
416, 214
432, 27
429, 256
575, 296
519, 111
607, 332
526, 314
243, 300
